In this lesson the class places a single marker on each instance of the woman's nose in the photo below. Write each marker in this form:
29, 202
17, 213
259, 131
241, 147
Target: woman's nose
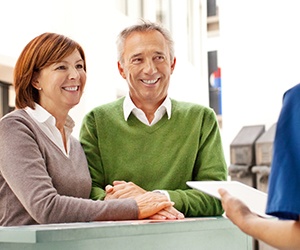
73, 73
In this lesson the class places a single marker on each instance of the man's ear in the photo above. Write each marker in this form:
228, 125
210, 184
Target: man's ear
173, 65
121, 70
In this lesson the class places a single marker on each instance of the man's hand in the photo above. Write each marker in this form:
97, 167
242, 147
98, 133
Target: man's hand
123, 189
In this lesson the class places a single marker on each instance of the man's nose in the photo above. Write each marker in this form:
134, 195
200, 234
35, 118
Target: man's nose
150, 67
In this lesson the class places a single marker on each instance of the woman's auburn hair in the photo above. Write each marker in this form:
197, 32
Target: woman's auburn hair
40, 52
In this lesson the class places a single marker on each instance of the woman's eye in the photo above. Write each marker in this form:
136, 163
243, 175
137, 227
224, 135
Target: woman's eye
61, 67
79, 66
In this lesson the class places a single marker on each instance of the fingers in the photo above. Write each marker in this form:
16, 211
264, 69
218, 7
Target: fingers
109, 188
118, 182
123, 189
158, 206
235, 209
151, 203
157, 217
170, 213
225, 198
223, 192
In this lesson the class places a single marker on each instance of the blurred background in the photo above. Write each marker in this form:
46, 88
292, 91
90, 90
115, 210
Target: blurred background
238, 57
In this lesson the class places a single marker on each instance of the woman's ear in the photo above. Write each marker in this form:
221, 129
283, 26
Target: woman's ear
35, 83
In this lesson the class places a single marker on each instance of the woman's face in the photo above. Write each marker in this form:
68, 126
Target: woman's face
62, 84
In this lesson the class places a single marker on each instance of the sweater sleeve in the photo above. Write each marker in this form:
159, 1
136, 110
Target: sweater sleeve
29, 185
90, 144
209, 165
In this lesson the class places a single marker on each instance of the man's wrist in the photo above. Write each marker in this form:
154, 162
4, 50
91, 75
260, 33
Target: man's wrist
164, 192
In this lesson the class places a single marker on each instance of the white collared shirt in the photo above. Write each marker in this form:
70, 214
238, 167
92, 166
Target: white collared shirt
46, 122
129, 106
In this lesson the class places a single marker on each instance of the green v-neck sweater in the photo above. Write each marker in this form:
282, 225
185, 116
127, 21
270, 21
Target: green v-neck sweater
160, 157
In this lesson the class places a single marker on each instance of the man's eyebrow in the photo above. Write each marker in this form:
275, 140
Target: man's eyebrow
139, 54
135, 55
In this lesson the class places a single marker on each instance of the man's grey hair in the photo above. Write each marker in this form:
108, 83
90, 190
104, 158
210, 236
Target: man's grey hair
143, 26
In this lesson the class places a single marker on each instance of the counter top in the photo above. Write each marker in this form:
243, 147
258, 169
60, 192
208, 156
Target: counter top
191, 233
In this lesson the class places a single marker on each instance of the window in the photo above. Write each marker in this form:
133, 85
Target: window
4, 99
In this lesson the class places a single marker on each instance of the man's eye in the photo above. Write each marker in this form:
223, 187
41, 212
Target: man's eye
136, 60
160, 58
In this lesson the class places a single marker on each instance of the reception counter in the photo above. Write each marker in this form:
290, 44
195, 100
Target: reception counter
192, 233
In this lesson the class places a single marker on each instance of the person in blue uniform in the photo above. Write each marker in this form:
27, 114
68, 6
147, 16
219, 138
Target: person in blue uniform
284, 185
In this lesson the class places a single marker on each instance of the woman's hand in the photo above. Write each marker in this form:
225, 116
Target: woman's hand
151, 203
235, 209
160, 202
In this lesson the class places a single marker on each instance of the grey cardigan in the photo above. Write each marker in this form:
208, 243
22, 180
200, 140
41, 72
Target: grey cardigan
40, 185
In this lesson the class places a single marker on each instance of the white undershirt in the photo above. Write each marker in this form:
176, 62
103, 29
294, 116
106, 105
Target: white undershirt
129, 106
46, 122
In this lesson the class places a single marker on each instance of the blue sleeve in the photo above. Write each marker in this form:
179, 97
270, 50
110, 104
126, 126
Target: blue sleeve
284, 187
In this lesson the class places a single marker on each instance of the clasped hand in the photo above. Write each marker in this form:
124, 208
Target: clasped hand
147, 201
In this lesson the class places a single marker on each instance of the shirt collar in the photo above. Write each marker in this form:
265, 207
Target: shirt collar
41, 115
128, 106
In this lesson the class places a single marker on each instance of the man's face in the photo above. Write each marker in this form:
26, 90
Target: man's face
147, 67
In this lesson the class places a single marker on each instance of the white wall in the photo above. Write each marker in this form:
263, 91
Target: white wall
258, 46
95, 25
259, 53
